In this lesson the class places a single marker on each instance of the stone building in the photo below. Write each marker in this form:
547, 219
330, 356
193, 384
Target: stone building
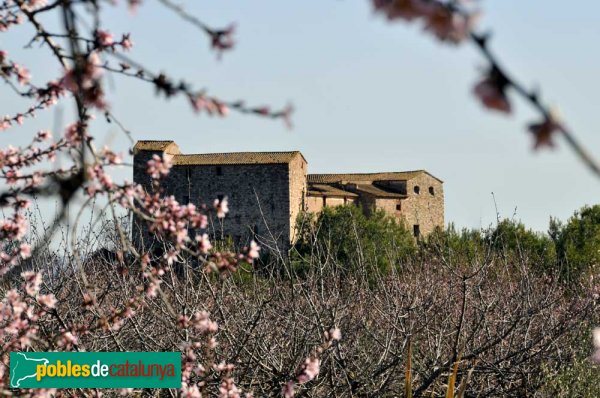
413, 197
267, 191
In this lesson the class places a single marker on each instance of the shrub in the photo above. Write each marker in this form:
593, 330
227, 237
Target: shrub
353, 240
577, 242
454, 247
512, 238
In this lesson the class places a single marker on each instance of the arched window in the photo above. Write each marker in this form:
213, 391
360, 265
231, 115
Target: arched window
431, 191
417, 189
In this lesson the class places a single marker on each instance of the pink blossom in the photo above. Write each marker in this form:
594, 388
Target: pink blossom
4, 123
191, 392
253, 250
198, 102
111, 157
171, 257
106, 181
105, 38
334, 334
491, 92
309, 370
449, 25
19, 119
158, 167
204, 244
67, 339
596, 342
23, 74
222, 109
288, 389
202, 322
25, 250
43, 135
31, 5
72, 134
33, 280
133, 5
221, 206
223, 39
544, 131
126, 42
47, 300
405, 9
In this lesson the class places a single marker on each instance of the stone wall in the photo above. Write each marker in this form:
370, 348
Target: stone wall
266, 199
298, 188
314, 204
141, 238
389, 206
259, 197
425, 208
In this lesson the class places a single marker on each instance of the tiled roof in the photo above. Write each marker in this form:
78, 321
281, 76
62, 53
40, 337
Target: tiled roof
363, 177
328, 190
166, 146
378, 192
171, 148
235, 158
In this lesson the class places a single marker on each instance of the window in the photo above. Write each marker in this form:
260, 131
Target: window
399, 207
417, 189
431, 191
219, 170
416, 230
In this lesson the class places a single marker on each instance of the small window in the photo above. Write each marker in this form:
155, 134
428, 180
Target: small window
398, 207
219, 170
417, 189
431, 191
416, 230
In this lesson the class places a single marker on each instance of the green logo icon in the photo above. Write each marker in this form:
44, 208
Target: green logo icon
95, 370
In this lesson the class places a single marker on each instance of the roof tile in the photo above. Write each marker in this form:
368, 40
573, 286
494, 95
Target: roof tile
366, 177
235, 158
328, 190
148, 145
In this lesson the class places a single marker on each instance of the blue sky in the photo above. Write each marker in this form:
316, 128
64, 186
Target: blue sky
370, 96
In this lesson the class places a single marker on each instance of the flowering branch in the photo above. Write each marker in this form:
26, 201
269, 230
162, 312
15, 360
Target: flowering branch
453, 22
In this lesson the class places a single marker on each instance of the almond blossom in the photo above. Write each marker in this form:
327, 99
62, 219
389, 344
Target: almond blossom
221, 206
596, 343
491, 92
105, 38
544, 131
